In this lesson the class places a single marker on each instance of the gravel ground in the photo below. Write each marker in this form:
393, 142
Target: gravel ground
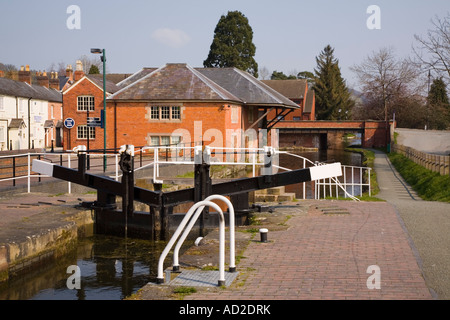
426, 222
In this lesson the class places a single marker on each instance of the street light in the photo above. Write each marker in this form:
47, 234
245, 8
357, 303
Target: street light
103, 58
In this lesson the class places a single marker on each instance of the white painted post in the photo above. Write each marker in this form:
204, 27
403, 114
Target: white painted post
69, 186
360, 181
304, 183
345, 182
353, 182
29, 173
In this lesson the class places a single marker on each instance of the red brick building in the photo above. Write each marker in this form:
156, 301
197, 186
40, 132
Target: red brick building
83, 98
173, 104
298, 92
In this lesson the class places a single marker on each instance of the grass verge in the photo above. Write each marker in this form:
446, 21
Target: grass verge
428, 184
368, 158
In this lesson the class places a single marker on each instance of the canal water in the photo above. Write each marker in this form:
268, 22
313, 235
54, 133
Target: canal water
113, 268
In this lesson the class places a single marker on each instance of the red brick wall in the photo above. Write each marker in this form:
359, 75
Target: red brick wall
374, 131
130, 123
57, 115
84, 87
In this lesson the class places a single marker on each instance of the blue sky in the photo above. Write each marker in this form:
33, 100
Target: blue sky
288, 34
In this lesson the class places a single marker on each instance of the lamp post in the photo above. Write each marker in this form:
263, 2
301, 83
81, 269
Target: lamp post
103, 58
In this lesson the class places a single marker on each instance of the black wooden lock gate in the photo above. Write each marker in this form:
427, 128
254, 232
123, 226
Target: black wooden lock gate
158, 223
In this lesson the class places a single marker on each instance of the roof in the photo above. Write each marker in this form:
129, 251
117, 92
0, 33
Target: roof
111, 87
112, 77
22, 89
309, 102
292, 89
136, 76
249, 89
48, 124
16, 124
174, 81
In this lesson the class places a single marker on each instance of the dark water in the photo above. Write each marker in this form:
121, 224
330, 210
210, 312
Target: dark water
111, 268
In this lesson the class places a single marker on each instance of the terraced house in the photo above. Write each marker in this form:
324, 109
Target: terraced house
30, 113
176, 103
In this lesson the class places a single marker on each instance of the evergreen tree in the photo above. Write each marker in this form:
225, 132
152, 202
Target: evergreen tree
438, 113
232, 45
333, 101
281, 76
94, 69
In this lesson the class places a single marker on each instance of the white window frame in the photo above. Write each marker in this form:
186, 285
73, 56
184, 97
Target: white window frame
165, 113
86, 103
84, 130
2, 133
234, 114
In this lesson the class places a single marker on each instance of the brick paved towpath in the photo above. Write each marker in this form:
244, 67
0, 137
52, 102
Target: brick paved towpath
326, 256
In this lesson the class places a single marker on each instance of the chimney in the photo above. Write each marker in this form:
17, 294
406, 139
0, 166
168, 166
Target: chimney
25, 75
79, 73
69, 72
42, 79
54, 80
2, 74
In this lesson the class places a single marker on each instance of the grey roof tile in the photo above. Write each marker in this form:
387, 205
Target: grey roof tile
24, 90
249, 89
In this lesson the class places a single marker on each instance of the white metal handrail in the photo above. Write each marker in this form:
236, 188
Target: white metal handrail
232, 266
199, 206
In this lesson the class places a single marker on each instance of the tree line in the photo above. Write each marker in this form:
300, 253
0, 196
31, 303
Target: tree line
412, 90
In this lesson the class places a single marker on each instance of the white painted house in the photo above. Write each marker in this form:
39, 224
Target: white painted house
24, 111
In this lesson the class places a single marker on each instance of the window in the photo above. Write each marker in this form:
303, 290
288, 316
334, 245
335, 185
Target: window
85, 102
296, 118
154, 140
154, 113
176, 113
165, 113
234, 114
165, 140
250, 114
2, 134
21, 106
82, 132
2, 108
176, 139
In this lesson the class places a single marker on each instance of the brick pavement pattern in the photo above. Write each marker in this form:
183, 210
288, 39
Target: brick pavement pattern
327, 256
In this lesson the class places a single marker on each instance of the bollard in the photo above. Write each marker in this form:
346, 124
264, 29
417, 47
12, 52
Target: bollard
263, 234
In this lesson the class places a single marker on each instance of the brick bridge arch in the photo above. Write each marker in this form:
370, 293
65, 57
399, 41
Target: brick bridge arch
310, 133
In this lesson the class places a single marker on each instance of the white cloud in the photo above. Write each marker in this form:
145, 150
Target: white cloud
174, 38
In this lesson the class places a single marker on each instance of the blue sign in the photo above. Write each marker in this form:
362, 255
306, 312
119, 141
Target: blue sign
69, 123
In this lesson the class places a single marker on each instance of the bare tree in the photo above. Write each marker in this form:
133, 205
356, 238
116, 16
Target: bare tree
89, 61
384, 79
433, 51
264, 73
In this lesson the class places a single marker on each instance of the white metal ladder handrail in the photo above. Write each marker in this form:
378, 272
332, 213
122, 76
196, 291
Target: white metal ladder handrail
199, 206
232, 266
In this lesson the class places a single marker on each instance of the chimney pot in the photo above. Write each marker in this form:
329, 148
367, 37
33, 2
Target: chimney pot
25, 75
